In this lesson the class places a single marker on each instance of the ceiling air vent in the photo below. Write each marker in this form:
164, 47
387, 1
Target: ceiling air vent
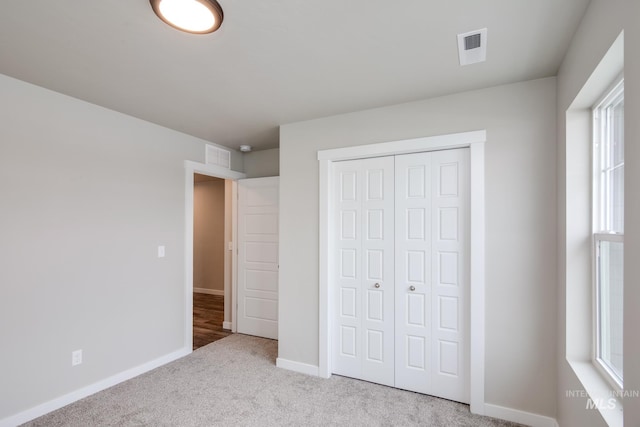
472, 47
472, 41
218, 156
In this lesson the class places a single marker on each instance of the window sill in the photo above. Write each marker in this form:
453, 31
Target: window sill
602, 396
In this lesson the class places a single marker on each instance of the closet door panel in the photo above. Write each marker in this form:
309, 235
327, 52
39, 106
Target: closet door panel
413, 272
449, 276
378, 274
431, 280
363, 207
347, 333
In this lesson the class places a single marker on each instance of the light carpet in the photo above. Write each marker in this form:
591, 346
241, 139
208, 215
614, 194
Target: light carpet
234, 382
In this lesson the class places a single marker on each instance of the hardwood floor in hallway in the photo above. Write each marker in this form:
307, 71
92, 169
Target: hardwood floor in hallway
208, 315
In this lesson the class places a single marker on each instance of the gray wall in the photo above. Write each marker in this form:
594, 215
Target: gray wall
87, 196
262, 163
520, 120
632, 211
602, 23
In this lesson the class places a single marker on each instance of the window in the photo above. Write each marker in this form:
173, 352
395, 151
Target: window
608, 230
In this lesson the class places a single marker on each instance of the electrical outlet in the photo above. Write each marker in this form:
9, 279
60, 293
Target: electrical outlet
76, 357
160, 251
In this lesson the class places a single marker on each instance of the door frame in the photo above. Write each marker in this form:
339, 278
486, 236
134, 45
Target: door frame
475, 142
192, 168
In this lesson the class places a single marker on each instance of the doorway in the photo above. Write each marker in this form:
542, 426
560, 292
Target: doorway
231, 177
211, 264
401, 277
327, 159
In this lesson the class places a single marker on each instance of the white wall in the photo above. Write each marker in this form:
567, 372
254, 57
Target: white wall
632, 211
209, 235
262, 163
521, 226
601, 25
87, 195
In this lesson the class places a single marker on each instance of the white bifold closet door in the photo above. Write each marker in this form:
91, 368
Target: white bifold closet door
431, 316
401, 309
363, 334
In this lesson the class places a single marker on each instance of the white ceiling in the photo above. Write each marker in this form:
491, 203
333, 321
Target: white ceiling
276, 61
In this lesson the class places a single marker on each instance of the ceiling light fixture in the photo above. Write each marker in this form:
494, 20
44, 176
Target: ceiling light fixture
245, 148
191, 16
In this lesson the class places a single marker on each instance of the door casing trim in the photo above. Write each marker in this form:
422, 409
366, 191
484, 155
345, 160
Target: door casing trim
475, 142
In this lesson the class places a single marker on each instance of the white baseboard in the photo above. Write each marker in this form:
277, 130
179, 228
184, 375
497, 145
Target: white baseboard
303, 368
208, 291
516, 416
74, 396
227, 325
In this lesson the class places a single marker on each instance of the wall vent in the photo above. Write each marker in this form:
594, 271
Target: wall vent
218, 156
472, 47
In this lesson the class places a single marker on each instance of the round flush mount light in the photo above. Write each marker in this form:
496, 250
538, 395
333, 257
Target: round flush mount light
245, 148
191, 16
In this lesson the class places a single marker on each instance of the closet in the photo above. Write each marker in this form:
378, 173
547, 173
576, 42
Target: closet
400, 233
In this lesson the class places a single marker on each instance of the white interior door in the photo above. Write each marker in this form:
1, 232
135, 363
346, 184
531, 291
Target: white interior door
365, 262
400, 302
258, 257
431, 313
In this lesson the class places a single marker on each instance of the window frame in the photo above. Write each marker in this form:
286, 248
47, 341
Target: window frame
602, 225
